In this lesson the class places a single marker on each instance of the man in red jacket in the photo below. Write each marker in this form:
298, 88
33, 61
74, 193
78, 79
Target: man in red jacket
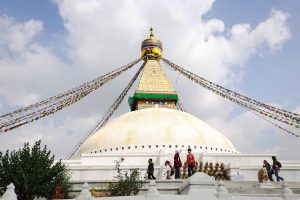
190, 159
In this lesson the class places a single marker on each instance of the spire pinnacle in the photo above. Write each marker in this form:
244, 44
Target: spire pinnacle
151, 32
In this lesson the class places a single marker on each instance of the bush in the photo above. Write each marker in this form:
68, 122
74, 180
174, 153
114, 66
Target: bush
125, 183
33, 172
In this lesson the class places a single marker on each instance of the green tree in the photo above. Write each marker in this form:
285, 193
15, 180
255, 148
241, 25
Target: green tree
33, 172
125, 183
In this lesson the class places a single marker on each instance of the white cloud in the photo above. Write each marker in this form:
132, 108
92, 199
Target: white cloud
28, 70
245, 42
15, 35
216, 53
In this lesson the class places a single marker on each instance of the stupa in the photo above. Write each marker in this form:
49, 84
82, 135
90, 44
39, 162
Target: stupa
155, 128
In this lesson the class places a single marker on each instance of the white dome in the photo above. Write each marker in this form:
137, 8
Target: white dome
157, 127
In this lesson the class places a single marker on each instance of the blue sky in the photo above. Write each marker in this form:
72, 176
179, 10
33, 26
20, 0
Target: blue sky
45, 11
70, 42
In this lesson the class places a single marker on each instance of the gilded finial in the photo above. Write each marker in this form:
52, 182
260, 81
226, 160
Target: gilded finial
151, 47
151, 32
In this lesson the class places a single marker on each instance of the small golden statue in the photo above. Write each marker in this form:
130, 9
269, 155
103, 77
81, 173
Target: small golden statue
262, 175
196, 166
184, 171
210, 169
205, 168
93, 192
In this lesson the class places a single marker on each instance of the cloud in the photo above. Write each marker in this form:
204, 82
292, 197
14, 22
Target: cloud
15, 36
208, 45
273, 32
28, 69
103, 35
221, 56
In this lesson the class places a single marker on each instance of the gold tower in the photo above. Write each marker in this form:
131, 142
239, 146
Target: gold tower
155, 89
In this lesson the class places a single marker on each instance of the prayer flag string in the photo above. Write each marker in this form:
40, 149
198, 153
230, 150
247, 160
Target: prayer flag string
56, 103
254, 106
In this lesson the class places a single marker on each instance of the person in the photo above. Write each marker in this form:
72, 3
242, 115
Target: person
276, 167
190, 159
269, 170
150, 169
177, 164
168, 169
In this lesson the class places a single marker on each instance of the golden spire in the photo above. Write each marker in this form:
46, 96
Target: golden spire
154, 89
154, 79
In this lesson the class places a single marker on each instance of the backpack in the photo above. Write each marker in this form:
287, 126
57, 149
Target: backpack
279, 164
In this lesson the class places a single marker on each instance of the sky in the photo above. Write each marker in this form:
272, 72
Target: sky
252, 47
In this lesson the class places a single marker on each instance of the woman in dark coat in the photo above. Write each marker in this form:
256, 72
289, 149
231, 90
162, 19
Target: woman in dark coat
269, 170
150, 169
177, 164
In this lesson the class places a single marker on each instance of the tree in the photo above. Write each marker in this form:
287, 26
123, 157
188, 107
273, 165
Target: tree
125, 183
33, 172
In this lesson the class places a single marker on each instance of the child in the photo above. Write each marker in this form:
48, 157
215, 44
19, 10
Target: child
168, 169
